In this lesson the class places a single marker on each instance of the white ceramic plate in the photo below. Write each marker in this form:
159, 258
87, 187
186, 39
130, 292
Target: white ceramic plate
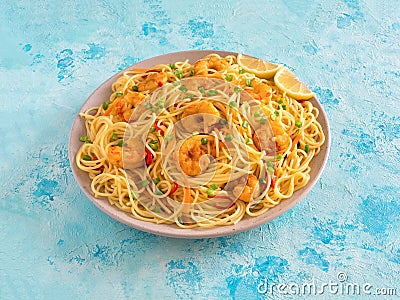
102, 94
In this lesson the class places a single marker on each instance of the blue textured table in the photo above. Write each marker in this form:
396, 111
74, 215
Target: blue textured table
342, 239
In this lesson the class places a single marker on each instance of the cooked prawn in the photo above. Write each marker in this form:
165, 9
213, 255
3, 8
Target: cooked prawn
263, 139
134, 98
202, 107
217, 63
281, 138
247, 191
206, 113
115, 156
260, 91
153, 81
132, 158
192, 158
122, 108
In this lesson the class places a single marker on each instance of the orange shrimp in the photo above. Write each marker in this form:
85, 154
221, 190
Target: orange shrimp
247, 191
260, 91
263, 138
211, 115
133, 155
153, 81
122, 107
217, 63
190, 157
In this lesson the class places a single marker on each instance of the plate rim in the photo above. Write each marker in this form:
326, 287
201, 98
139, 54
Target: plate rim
171, 230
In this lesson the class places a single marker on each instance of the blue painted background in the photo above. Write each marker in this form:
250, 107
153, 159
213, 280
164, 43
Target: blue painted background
55, 244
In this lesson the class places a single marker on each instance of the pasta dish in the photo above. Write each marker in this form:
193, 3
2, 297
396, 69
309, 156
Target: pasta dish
200, 144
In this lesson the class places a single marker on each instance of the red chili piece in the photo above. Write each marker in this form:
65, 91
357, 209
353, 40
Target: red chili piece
174, 188
149, 157
158, 128
101, 168
273, 180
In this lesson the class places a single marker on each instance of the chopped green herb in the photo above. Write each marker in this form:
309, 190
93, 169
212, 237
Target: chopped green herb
87, 157
143, 183
298, 124
172, 66
257, 114
201, 90
223, 121
114, 136
280, 101
249, 82
156, 180
192, 72
271, 170
120, 143
152, 129
178, 73
276, 113
245, 124
210, 192
214, 186
307, 148
153, 145
241, 71
135, 195
157, 209
169, 137
228, 77
232, 104
273, 117
270, 164
189, 96
135, 88
148, 105
154, 109
212, 92
263, 120
119, 94
159, 192
278, 156
284, 107
249, 141
176, 83
237, 89
106, 104
204, 141
228, 137
262, 180
183, 88
85, 139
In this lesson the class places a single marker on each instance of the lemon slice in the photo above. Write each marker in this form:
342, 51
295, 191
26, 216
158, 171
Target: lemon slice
289, 83
261, 68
